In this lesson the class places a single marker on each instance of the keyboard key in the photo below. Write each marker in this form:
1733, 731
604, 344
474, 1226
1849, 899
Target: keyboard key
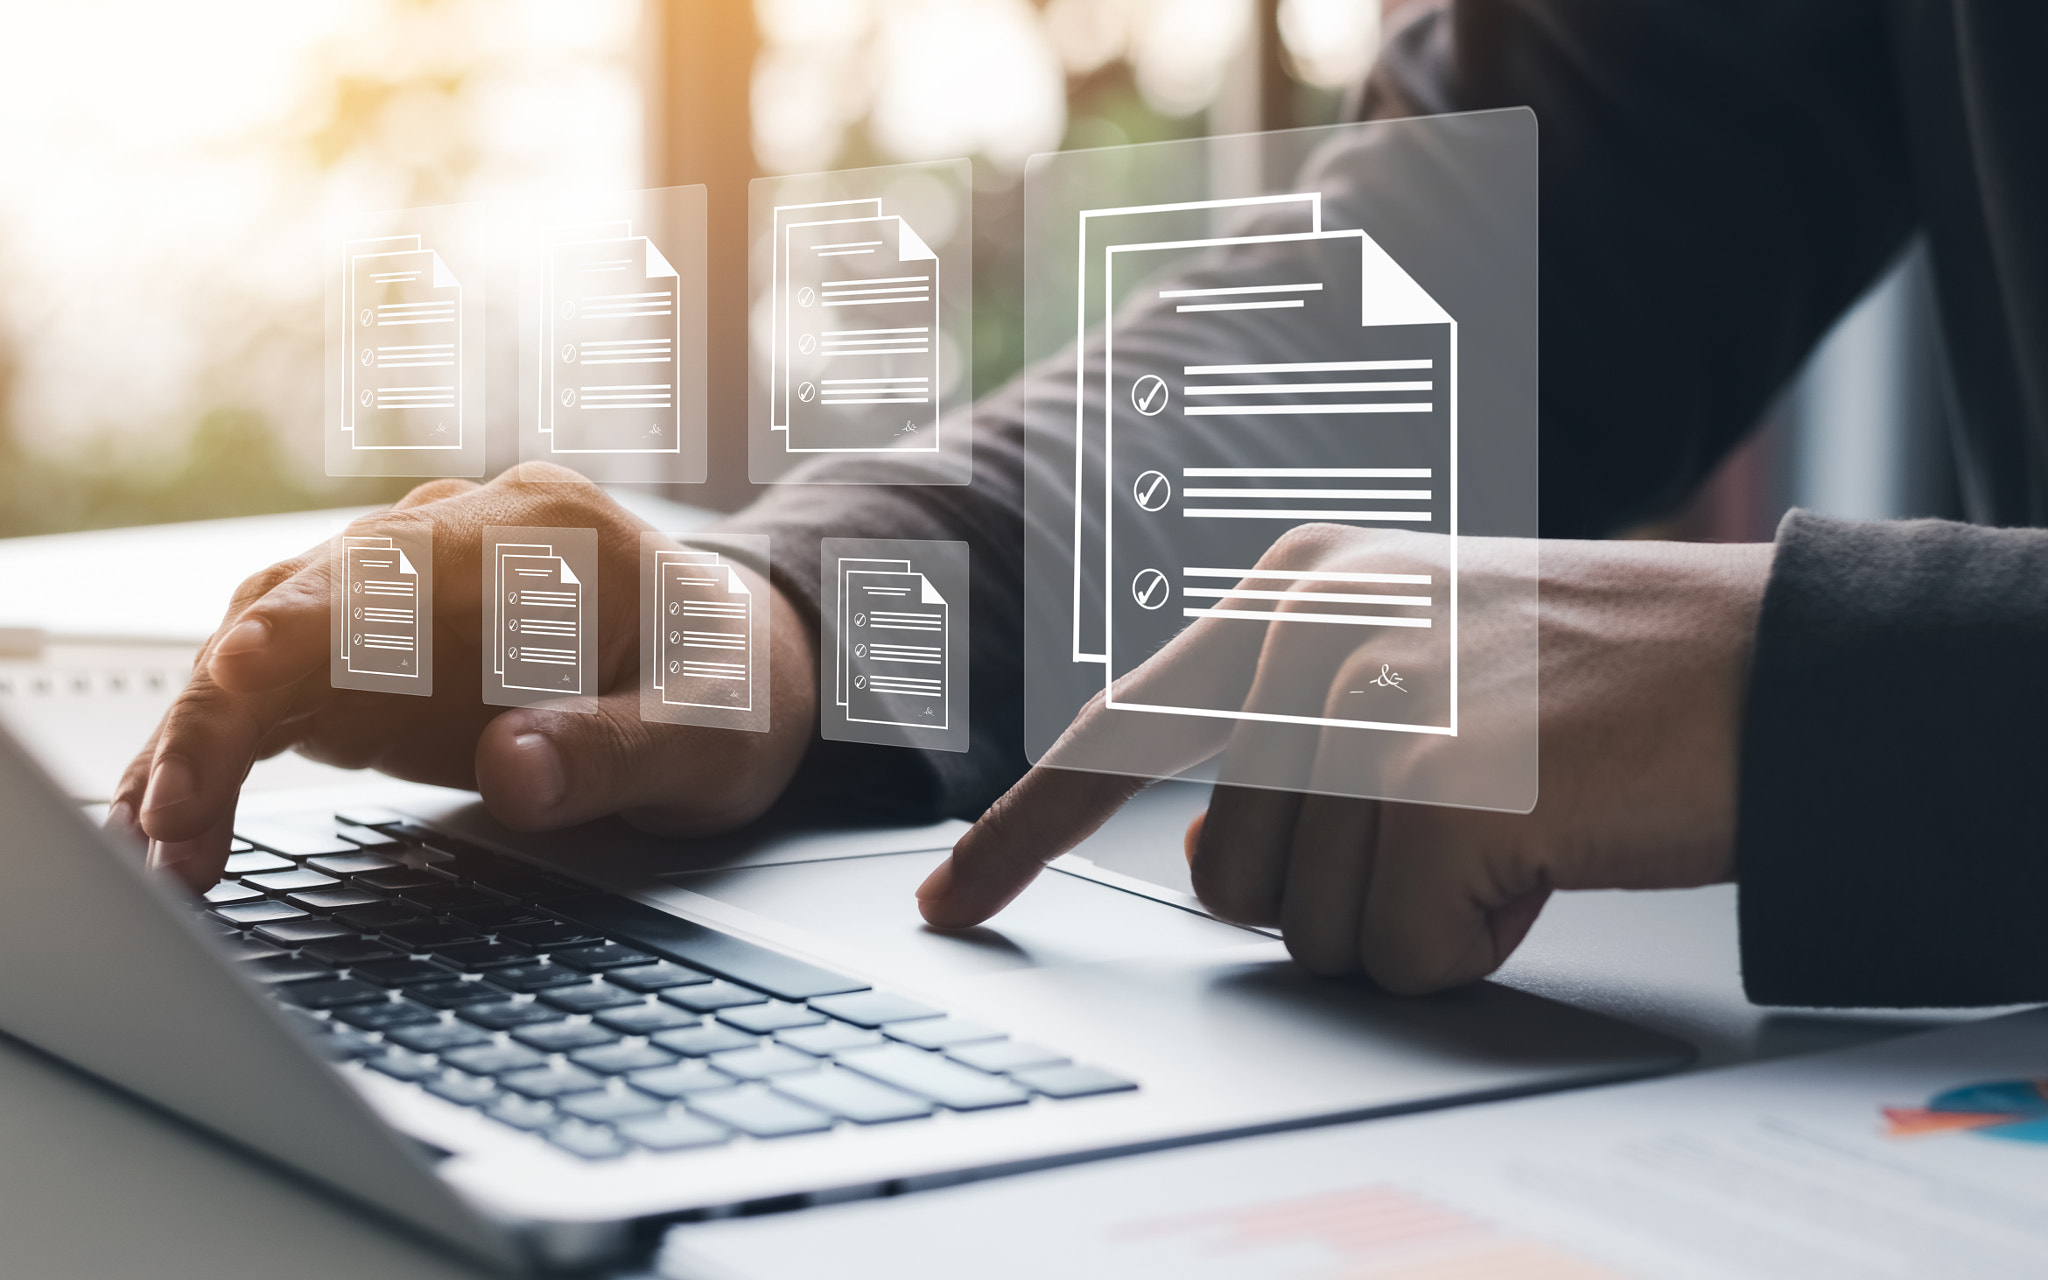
659, 976
504, 915
521, 1113
493, 1059
762, 1061
1005, 1055
646, 1019
239, 845
605, 955
369, 815
474, 957
537, 976
299, 931
550, 1082
427, 935
947, 1083
403, 1064
829, 1038
463, 1090
760, 1113
529, 885
873, 1008
592, 1142
438, 1037
399, 973
705, 948
696, 1042
294, 839
342, 1044
591, 997
1071, 1081
760, 1019
453, 993
329, 994
617, 1059
386, 1016
710, 997
444, 897
939, 1033
673, 1133
347, 950
385, 915
681, 1080
229, 892
561, 1037
367, 839
603, 1107
236, 947
400, 879
503, 1015
278, 968
547, 937
246, 914
255, 863
291, 881
351, 864
853, 1097
328, 901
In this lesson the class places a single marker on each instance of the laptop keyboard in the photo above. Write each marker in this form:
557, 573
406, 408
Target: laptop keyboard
593, 1021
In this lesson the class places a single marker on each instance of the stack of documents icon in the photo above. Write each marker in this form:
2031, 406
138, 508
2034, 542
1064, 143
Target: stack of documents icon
892, 656
704, 632
538, 608
855, 335
403, 310
382, 590
612, 337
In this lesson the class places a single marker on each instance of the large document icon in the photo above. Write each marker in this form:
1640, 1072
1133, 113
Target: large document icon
403, 309
859, 342
1208, 464
612, 321
383, 591
705, 632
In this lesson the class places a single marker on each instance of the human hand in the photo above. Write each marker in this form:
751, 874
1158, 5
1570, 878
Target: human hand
260, 685
1643, 653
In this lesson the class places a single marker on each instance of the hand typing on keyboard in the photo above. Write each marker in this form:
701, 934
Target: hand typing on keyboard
261, 685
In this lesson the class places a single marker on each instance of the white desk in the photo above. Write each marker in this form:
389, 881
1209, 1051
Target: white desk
93, 1184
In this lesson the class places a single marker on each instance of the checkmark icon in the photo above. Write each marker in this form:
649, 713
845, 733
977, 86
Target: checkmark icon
1148, 394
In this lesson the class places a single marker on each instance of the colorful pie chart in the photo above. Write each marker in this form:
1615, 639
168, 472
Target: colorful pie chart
2012, 1110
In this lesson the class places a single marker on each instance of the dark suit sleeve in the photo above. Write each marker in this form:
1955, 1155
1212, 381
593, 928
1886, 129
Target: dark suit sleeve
1720, 179
1895, 768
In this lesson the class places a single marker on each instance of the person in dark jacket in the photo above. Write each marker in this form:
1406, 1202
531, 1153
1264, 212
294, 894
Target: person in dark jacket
1848, 721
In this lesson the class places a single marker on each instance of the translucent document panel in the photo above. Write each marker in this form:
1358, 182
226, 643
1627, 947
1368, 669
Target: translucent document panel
1285, 526
860, 322
540, 617
704, 610
382, 608
611, 341
405, 343
893, 649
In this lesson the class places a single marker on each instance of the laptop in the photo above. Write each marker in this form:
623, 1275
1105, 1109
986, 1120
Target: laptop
536, 1051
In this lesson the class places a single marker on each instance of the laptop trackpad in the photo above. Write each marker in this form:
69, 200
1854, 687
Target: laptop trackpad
868, 906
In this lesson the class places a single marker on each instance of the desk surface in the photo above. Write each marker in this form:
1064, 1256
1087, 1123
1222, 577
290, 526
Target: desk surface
98, 1185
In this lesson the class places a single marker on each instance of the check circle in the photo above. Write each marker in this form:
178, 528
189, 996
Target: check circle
1150, 588
1148, 395
1152, 491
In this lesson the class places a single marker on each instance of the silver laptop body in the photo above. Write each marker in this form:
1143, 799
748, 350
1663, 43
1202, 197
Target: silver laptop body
108, 968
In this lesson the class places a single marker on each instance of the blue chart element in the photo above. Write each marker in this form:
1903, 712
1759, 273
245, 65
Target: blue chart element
2022, 1103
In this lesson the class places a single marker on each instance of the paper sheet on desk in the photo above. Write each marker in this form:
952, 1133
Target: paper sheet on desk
1923, 1156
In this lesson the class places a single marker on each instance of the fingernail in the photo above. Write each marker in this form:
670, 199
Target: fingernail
171, 782
163, 856
540, 761
250, 633
121, 817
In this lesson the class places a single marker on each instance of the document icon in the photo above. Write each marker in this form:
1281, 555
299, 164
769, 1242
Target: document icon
405, 309
897, 649
705, 631
864, 320
1207, 464
382, 607
541, 588
612, 317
